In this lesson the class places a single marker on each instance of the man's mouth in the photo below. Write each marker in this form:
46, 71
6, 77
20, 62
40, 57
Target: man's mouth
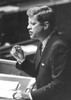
30, 32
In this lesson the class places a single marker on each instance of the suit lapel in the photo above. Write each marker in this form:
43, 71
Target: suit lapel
41, 57
48, 44
45, 52
38, 56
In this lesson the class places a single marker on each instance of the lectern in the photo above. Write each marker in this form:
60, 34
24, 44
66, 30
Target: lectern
9, 84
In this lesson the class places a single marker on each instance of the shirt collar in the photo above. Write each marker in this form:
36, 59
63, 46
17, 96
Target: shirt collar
46, 40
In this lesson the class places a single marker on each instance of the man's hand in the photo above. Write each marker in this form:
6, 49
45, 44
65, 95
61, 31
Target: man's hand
18, 53
21, 95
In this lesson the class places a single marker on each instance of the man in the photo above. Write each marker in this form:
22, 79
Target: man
52, 69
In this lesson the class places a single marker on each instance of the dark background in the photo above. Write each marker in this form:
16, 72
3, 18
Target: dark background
13, 26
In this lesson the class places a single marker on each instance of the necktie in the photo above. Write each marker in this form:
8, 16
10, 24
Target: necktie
41, 49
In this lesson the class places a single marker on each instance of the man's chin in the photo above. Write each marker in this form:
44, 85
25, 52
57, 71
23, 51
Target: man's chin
31, 36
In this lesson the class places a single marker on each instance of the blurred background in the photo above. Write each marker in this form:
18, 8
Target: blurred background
13, 22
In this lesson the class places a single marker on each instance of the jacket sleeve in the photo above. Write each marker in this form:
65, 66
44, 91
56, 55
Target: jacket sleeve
58, 61
27, 66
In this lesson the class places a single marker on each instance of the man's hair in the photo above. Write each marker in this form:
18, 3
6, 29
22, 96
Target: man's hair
43, 13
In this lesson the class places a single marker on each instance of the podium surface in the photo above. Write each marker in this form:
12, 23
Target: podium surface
23, 81
9, 67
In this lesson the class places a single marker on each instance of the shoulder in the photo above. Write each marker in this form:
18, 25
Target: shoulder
59, 43
58, 39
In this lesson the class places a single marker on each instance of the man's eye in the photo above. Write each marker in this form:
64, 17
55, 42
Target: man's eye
33, 23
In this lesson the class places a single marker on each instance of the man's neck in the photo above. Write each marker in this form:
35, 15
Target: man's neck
47, 36
45, 40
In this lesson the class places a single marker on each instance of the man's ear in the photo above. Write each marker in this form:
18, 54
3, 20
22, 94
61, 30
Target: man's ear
46, 25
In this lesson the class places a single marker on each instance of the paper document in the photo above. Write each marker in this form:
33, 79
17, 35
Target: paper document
8, 88
6, 93
9, 85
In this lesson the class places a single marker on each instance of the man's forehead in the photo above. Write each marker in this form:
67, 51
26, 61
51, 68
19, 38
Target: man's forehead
34, 18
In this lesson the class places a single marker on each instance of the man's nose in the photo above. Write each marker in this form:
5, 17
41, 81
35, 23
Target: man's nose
29, 26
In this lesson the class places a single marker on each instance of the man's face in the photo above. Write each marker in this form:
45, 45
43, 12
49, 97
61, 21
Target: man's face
35, 27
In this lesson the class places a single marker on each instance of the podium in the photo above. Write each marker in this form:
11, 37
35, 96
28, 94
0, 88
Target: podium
10, 74
9, 67
24, 82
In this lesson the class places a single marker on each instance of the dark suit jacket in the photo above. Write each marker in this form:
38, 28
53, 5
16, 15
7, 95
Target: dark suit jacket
52, 70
